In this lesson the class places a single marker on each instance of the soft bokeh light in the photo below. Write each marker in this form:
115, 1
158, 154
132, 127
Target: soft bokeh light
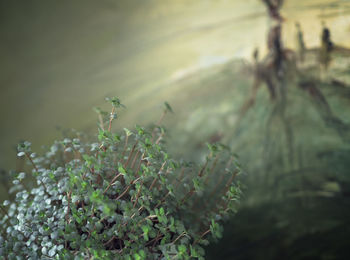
61, 58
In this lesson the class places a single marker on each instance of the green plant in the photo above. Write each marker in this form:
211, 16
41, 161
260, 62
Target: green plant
121, 197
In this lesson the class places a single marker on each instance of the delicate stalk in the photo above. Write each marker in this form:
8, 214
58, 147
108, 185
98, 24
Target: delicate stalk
111, 119
161, 117
31, 161
125, 145
227, 186
211, 169
101, 121
36, 169
221, 178
180, 236
112, 182
159, 236
217, 185
158, 123
130, 154
139, 165
159, 138
200, 173
180, 178
229, 162
127, 189
134, 160
68, 209
188, 195
154, 240
109, 241
155, 178
138, 194
5, 212
229, 182
166, 173
204, 234
162, 201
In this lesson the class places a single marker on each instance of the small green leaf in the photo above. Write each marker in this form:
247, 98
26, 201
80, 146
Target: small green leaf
182, 249
127, 132
161, 211
168, 107
121, 169
115, 101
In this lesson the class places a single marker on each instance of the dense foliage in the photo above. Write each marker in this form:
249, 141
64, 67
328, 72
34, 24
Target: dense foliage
121, 197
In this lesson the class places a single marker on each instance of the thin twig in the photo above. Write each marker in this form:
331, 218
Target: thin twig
181, 235
134, 160
112, 182
159, 138
138, 194
111, 119
211, 169
36, 169
125, 146
101, 122
68, 209
162, 200
4, 210
109, 241
130, 154
180, 178
155, 178
200, 173
157, 124
127, 189
139, 165
205, 233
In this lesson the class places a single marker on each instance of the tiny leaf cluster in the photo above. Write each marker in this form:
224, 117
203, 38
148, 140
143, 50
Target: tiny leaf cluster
119, 197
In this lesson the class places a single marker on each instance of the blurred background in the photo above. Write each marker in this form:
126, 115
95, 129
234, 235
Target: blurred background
280, 101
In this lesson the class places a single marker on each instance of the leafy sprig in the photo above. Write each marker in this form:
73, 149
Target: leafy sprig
119, 197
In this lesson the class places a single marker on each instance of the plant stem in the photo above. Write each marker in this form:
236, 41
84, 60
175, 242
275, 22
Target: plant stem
130, 154
125, 146
155, 178
111, 119
139, 165
181, 235
5, 211
200, 173
109, 241
36, 169
161, 118
227, 187
127, 189
134, 160
112, 182
211, 169
221, 178
188, 194
166, 173
217, 185
68, 210
180, 178
101, 122
138, 194
158, 123
159, 138
31, 161
204, 233
160, 203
